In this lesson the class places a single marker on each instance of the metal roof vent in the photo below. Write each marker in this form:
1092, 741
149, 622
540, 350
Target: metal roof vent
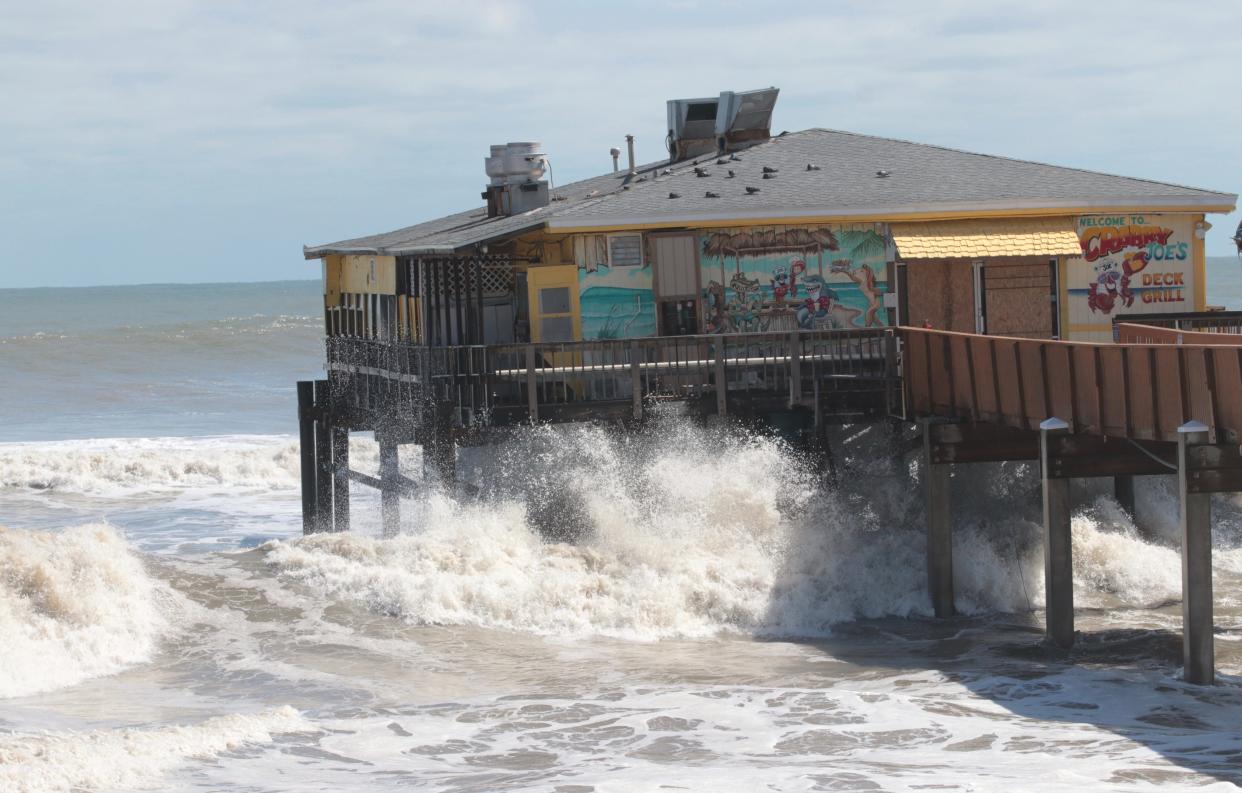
731, 121
515, 178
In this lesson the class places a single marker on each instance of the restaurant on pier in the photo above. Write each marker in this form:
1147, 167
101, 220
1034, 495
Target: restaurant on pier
970, 307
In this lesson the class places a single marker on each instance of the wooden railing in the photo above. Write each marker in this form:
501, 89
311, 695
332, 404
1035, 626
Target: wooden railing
479, 382
1199, 321
1134, 333
1120, 390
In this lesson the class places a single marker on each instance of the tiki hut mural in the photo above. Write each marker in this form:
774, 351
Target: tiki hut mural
789, 279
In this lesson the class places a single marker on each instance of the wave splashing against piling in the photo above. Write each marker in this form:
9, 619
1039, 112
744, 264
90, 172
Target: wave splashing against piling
688, 532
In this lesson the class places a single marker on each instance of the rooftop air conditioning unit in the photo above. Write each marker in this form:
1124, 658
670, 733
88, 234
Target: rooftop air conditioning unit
731, 121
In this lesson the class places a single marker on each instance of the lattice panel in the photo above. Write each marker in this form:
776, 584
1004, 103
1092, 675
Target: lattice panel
497, 276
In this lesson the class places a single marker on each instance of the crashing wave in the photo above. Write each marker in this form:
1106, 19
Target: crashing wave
74, 605
126, 758
692, 532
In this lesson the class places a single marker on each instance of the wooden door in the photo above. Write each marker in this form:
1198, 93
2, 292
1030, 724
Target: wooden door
552, 292
676, 275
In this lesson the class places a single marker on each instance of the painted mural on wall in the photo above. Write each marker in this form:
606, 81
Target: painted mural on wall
616, 302
793, 278
1131, 264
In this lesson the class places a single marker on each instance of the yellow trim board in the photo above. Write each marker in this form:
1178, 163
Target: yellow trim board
1200, 265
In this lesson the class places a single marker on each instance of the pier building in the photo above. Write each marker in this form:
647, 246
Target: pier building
1008, 309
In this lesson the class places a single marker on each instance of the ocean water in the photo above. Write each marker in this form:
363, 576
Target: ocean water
725, 621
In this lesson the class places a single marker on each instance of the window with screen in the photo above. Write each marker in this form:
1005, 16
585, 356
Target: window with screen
625, 250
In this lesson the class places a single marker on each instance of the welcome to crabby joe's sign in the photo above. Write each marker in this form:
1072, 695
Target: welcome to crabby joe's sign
1135, 263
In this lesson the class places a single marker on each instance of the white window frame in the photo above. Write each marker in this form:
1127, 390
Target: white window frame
642, 257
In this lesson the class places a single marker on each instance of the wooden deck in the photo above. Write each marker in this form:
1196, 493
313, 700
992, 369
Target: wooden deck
479, 387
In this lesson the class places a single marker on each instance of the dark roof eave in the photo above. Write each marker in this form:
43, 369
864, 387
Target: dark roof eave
444, 249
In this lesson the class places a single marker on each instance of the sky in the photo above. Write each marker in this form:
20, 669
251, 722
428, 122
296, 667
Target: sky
208, 140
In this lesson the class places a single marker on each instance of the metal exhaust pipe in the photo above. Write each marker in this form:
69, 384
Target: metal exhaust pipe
629, 145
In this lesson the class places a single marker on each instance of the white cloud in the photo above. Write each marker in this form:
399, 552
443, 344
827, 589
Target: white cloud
379, 92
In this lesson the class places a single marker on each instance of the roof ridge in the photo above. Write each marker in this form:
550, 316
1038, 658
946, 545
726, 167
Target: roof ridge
681, 165
1022, 160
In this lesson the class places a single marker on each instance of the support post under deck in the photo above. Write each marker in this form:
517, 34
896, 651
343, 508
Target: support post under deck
1058, 549
389, 471
939, 530
1123, 491
1198, 653
440, 452
323, 460
340, 478
306, 448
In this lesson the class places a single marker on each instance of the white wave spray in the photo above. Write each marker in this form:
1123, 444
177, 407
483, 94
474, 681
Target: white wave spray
691, 532
125, 758
125, 466
74, 604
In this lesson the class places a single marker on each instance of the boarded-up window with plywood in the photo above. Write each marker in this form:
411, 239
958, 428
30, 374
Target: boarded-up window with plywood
1017, 298
941, 293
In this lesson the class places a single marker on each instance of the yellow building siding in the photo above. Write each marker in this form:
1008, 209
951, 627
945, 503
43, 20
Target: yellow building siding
376, 275
985, 239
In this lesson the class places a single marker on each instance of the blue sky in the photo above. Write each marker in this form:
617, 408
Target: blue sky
207, 140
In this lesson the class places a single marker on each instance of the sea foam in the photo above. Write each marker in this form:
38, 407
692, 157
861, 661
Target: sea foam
126, 758
74, 604
128, 466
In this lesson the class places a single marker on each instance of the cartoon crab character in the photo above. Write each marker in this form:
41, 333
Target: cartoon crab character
1111, 285
1131, 265
785, 281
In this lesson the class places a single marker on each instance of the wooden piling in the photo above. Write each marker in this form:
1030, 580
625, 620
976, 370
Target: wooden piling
939, 530
440, 452
795, 368
636, 380
1198, 653
1058, 549
323, 459
721, 376
390, 485
340, 478
306, 448
1123, 491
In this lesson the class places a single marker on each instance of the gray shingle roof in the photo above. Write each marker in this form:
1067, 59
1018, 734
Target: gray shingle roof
473, 227
842, 182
